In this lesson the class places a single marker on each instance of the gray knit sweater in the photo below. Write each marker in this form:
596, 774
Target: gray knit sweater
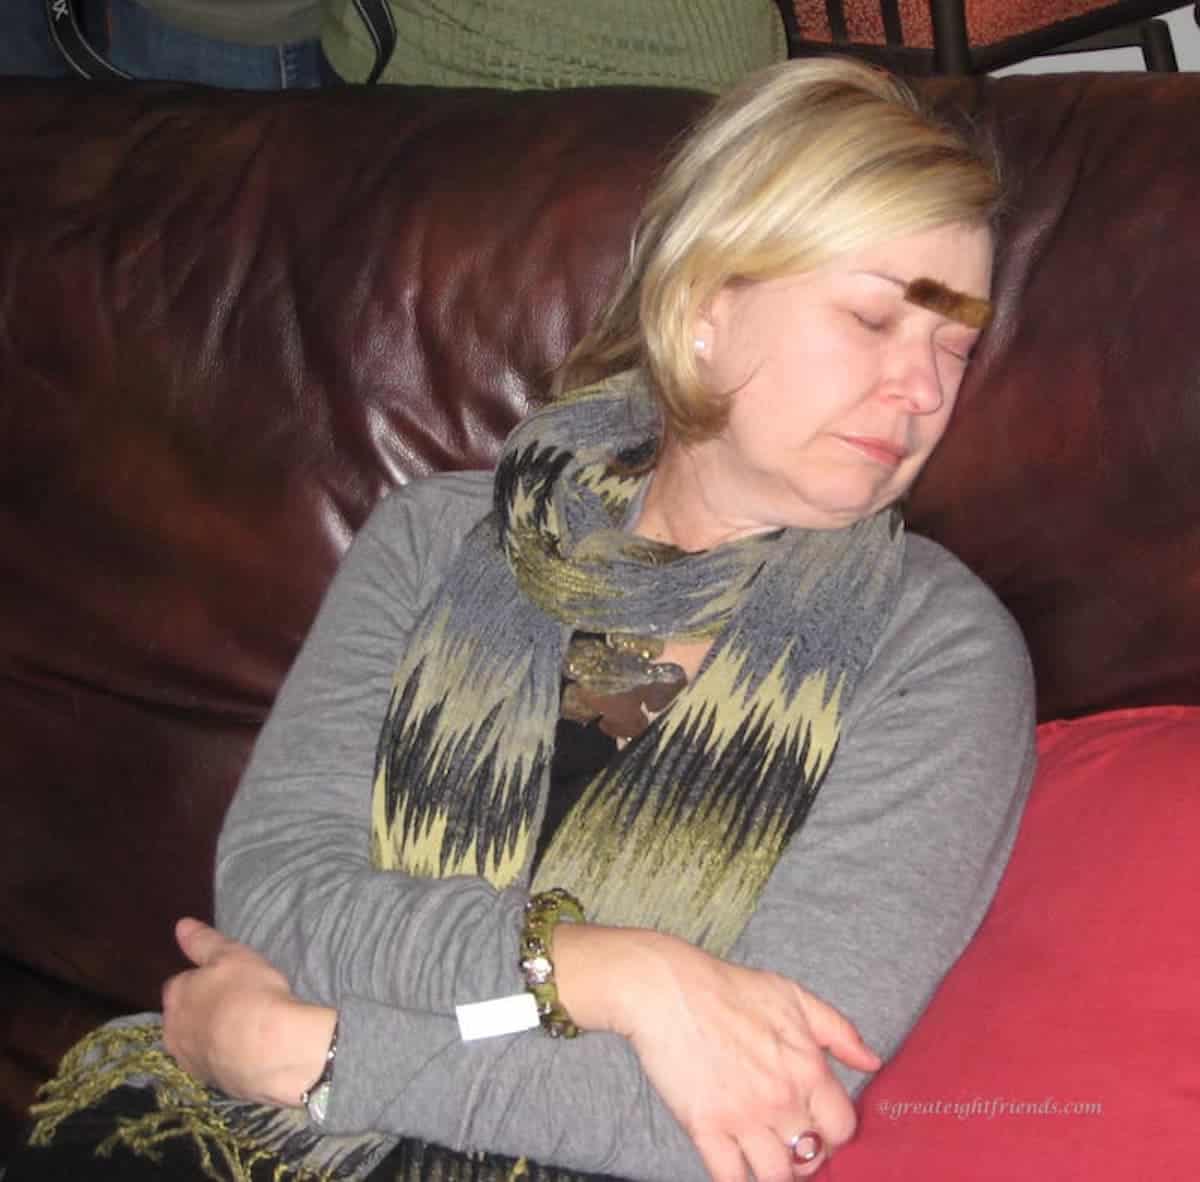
868, 907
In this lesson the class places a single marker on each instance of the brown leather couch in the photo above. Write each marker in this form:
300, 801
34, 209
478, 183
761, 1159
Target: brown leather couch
229, 323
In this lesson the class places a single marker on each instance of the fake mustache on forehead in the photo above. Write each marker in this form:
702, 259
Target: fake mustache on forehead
945, 301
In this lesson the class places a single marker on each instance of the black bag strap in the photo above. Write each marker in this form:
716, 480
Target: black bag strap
74, 46
381, 26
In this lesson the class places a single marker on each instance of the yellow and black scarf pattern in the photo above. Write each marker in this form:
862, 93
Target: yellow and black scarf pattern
682, 829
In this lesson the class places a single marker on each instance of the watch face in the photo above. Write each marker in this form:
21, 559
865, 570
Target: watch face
318, 1103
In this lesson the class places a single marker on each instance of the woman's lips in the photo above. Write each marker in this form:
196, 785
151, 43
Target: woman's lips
882, 451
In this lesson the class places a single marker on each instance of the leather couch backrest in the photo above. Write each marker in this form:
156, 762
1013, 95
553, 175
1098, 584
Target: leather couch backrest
230, 322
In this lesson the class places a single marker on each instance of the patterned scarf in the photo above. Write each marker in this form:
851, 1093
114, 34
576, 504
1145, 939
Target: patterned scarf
680, 830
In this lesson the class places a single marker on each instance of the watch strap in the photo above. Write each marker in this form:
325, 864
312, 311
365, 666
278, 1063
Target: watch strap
315, 1099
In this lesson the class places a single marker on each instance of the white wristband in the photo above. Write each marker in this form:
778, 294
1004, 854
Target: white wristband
500, 1015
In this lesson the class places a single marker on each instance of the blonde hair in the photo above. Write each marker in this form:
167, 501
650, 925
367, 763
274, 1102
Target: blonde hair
800, 163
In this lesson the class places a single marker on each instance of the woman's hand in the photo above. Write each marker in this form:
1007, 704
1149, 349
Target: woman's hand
737, 1054
233, 1022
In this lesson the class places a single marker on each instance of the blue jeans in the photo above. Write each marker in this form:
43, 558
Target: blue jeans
25, 43
137, 41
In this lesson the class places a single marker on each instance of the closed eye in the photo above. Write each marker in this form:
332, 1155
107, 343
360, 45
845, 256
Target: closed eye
956, 340
871, 323
962, 350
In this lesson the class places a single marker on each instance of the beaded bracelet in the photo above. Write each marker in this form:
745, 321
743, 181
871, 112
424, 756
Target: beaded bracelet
542, 913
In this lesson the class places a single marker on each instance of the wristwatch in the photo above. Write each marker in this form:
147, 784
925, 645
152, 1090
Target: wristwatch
315, 1099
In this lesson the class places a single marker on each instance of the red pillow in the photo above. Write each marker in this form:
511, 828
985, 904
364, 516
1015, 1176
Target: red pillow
1065, 1043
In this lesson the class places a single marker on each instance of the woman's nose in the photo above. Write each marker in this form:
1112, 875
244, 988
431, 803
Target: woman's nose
917, 379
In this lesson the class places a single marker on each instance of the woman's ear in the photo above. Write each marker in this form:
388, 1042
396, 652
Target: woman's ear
709, 321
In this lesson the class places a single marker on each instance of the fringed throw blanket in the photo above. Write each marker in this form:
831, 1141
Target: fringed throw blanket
681, 829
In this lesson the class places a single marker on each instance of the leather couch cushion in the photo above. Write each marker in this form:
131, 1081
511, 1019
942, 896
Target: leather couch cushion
230, 323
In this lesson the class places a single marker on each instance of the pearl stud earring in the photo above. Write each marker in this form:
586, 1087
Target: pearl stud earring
701, 344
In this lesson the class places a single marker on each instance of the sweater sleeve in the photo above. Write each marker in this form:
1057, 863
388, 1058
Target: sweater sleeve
293, 875
892, 873
868, 907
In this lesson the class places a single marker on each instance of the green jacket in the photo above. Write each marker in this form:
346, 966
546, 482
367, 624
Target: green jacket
553, 44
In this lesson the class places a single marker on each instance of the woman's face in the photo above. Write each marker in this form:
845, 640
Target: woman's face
842, 384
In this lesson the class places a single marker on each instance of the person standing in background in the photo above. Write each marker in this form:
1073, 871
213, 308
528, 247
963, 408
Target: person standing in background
246, 44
